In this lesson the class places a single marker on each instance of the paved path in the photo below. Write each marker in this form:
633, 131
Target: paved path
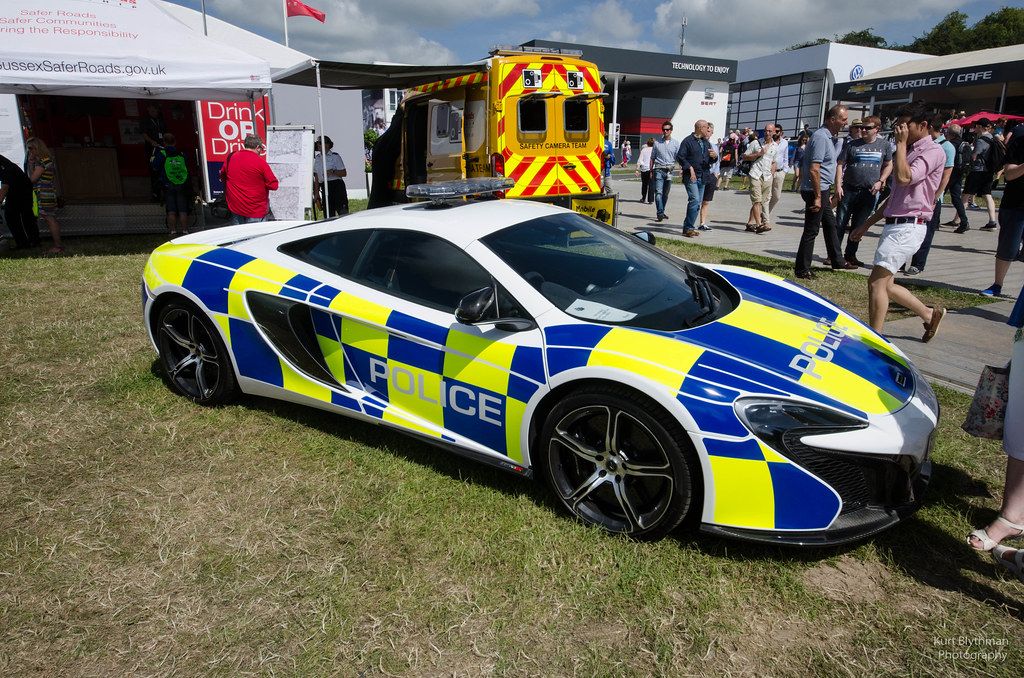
967, 340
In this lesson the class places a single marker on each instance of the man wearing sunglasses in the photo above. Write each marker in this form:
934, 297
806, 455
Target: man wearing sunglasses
663, 160
863, 168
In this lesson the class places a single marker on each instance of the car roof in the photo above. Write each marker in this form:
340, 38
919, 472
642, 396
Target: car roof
459, 223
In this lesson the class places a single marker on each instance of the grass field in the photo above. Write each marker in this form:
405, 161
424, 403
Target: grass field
143, 535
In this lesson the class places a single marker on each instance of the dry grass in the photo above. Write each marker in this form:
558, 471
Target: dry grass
143, 535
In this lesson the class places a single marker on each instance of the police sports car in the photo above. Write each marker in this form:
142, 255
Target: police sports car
641, 387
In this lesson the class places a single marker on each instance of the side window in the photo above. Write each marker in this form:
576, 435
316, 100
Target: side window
337, 252
533, 115
420, 267
577, 116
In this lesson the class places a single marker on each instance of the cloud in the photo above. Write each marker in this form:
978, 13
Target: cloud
742, 29
608, 24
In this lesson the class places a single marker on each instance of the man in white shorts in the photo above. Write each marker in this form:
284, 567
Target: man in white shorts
917, 170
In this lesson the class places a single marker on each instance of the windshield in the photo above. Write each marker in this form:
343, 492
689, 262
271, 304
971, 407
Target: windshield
593, 272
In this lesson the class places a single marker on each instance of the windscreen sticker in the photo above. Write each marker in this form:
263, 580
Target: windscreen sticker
592, 311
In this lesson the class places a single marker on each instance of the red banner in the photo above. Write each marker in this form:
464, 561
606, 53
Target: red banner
224, 126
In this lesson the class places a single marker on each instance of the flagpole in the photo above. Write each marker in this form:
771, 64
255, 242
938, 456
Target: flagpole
284, 9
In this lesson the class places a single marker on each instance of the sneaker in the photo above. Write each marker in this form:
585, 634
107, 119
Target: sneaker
704, 227
993, 291
963, 228
990, 226
913, 270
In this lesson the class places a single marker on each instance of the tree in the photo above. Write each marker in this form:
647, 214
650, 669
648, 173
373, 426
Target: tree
1005, 27
864, 38
949, 36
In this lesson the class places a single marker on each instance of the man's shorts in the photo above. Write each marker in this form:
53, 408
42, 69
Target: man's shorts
978, 183
898, 243
727, 172
709, 189
760, 189
176, 199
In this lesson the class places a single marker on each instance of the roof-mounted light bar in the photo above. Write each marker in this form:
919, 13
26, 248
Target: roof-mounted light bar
523, 49
438, 193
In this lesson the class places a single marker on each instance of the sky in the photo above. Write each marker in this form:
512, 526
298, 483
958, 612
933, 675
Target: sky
461, 31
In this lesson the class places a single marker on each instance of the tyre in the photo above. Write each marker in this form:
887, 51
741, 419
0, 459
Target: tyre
618, 461
193, 355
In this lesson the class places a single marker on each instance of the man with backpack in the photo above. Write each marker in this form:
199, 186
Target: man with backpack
986, 161
169, 164
961, 166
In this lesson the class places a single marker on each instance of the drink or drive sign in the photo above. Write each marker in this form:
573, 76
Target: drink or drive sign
223, 126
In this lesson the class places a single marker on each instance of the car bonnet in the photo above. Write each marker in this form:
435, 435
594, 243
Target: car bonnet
781, 340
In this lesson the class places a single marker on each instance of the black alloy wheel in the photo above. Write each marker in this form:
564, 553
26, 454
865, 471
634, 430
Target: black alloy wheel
619, 462
193, 355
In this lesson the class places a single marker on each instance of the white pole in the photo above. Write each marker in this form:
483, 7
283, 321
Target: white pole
323, 145
284, 10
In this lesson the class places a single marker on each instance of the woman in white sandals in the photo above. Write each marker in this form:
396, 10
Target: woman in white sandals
1010, 522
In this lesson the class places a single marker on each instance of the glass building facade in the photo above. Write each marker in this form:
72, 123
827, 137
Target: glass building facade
790, 100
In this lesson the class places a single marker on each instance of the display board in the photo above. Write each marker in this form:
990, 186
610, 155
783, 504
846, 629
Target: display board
290, 155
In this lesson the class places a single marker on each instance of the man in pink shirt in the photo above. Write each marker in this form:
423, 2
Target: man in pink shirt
917, 170
248, 181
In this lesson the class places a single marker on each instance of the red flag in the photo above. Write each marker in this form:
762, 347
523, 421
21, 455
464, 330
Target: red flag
296, 8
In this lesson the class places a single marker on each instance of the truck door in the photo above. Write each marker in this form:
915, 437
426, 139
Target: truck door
445, 149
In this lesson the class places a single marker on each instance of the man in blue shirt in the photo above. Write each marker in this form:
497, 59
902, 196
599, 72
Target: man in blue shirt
663, 160
694, 157
819, 173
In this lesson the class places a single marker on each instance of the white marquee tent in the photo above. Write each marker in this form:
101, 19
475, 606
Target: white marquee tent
119, 48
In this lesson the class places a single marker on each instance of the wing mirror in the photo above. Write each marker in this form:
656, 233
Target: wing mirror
646, 236
475, 305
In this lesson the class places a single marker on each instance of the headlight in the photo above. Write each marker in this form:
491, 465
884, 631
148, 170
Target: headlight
775, 421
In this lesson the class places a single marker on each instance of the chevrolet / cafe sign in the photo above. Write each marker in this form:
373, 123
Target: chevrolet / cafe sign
901, 85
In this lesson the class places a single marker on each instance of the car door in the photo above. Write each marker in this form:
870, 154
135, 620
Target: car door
392, 337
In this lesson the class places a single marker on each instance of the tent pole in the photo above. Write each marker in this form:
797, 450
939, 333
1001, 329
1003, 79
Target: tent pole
204, 17
323, 146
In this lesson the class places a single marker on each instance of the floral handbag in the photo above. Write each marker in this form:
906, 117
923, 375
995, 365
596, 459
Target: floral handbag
988, 408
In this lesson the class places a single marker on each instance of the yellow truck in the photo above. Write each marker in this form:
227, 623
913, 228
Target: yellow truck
537, 118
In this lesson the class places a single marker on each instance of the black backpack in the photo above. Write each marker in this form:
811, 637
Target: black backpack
964, 158
996, 155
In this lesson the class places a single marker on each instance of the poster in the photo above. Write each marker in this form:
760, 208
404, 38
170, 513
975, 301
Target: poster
290, 155
223, 126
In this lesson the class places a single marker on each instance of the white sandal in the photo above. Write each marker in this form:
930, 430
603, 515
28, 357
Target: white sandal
987, 542
1016, 565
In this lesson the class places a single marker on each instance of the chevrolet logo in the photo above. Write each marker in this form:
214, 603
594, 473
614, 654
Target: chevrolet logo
861, 88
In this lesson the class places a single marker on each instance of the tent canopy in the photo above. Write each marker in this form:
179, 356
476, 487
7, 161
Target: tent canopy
342, 75
283, 60
970, 119
118, 49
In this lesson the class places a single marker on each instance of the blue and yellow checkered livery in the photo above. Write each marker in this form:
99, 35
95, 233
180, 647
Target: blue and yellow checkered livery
452, 384
441, 382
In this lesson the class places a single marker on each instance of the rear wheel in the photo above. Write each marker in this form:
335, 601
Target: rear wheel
619, 462
193, 355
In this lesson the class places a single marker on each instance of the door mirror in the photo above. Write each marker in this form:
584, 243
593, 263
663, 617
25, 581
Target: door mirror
646, 236
474, 306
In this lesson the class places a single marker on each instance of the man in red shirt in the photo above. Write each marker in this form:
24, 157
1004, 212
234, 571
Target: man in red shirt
248, 181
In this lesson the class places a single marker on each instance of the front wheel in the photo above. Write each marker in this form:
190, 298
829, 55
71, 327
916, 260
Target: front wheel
193, 355
619, 462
